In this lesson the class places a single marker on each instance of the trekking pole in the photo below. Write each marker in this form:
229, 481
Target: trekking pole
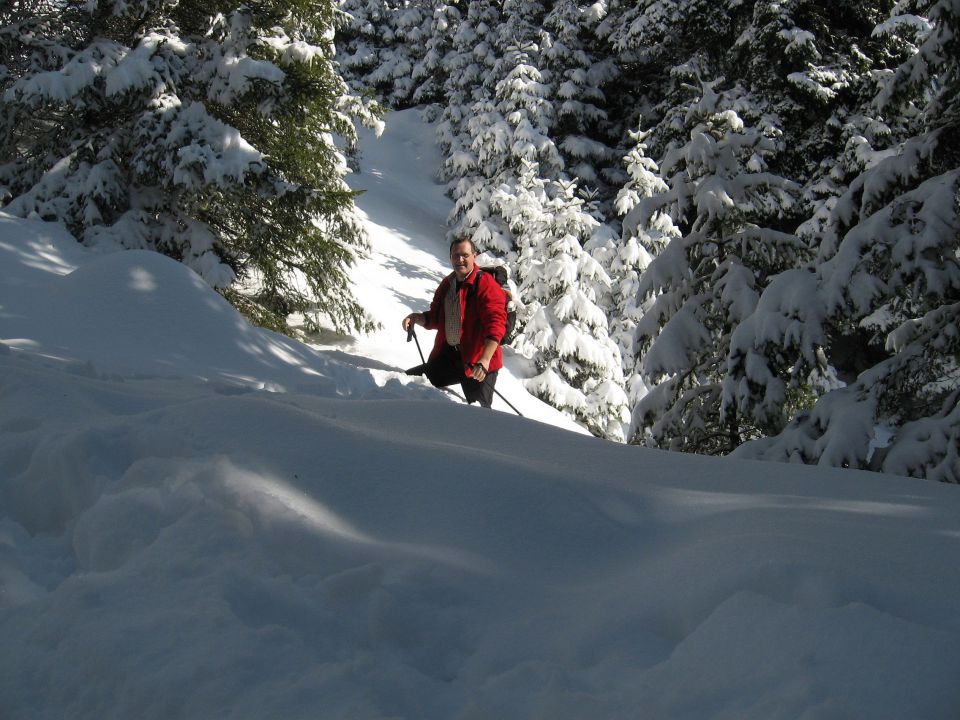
499, 395
468, 371
411, 334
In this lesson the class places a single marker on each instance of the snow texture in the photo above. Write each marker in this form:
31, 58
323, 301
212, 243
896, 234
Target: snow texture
202, 519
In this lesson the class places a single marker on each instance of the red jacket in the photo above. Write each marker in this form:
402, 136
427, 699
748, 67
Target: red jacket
483, 310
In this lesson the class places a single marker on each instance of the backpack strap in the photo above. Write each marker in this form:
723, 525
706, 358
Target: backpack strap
475, 285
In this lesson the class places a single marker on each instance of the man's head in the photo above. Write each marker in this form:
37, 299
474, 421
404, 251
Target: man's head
463, 254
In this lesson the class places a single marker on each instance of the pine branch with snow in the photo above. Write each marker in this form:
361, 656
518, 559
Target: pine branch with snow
379, 45
168, 127
575, 61
703, 283
564, 291
888, 283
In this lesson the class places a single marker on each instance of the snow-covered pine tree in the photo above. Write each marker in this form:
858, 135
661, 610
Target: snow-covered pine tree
430, 73
890, 271
359, 40
659, 48
628, 256
564, 290
518, 205
378, 47
469, 63
813, 65
586, 136
652, 37
805, 64
471, 55
168, 126
706, 281
506, 124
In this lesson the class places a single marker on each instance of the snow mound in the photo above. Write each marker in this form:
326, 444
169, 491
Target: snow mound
178, 543
139, 313
170, 549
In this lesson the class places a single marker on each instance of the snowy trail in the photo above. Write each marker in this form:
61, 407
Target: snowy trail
405, 211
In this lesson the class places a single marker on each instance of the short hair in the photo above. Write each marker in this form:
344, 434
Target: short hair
457, 241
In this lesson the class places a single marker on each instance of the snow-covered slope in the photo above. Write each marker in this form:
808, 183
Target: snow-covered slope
405, 211
200, 519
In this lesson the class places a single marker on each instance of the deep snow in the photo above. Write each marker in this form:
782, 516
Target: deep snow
201, 519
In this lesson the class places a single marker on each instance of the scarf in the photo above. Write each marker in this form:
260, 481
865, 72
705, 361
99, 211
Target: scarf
451, 314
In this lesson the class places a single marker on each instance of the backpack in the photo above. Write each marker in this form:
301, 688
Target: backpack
499, 273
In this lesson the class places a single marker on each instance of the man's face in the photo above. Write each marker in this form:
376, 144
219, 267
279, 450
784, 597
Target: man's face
462, 258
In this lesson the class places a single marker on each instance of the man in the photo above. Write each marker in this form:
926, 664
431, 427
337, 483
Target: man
469, 314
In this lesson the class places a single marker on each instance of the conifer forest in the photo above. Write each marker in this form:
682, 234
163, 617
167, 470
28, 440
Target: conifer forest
733, 227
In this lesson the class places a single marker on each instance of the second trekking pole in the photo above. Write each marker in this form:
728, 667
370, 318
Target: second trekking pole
411, 335
468, 371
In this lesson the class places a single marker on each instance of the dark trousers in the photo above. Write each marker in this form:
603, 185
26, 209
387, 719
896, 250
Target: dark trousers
447, 369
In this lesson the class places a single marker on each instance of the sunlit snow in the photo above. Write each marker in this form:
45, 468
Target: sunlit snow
201, 519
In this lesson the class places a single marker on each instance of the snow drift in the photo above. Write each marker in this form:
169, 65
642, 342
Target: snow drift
203, 519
